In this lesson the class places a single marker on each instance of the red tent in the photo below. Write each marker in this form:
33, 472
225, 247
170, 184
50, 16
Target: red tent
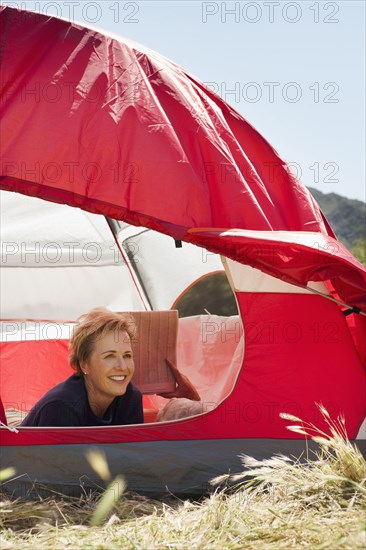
108, 126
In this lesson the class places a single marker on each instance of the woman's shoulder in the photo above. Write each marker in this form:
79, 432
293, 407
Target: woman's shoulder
72, 387
62, 405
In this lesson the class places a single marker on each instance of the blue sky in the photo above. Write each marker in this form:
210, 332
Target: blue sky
295, 70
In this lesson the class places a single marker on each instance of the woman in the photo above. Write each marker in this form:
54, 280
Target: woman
100, 393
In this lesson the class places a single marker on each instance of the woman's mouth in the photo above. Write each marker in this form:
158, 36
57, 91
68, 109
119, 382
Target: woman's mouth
118, 378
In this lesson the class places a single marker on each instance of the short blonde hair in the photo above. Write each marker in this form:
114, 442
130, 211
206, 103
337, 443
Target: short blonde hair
91, 327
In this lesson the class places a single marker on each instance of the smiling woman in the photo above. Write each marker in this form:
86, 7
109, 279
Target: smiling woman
100, 393
108, 371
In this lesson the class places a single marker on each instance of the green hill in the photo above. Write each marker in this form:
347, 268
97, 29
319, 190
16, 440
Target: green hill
346, 216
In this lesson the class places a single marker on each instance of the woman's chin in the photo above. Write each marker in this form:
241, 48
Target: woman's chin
119, 388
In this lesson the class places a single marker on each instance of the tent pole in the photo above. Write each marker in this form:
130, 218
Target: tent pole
350, 308
135, 277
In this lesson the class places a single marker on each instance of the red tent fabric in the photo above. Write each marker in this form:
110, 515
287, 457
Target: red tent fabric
114, 128
2, 413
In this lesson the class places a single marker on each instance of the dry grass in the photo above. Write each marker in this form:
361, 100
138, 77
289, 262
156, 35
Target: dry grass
277, 504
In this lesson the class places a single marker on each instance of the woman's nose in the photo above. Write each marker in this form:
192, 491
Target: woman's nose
121, 363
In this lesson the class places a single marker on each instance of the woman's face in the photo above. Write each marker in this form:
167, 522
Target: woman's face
108, 370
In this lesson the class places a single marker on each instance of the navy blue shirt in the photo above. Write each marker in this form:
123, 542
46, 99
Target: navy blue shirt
67, 405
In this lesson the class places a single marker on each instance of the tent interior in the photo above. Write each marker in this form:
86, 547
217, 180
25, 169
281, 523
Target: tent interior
59, 262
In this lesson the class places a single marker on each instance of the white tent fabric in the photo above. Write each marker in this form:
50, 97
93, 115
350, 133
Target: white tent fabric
247, 279
58, 262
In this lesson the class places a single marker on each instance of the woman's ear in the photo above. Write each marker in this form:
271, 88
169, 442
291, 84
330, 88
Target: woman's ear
84, 368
